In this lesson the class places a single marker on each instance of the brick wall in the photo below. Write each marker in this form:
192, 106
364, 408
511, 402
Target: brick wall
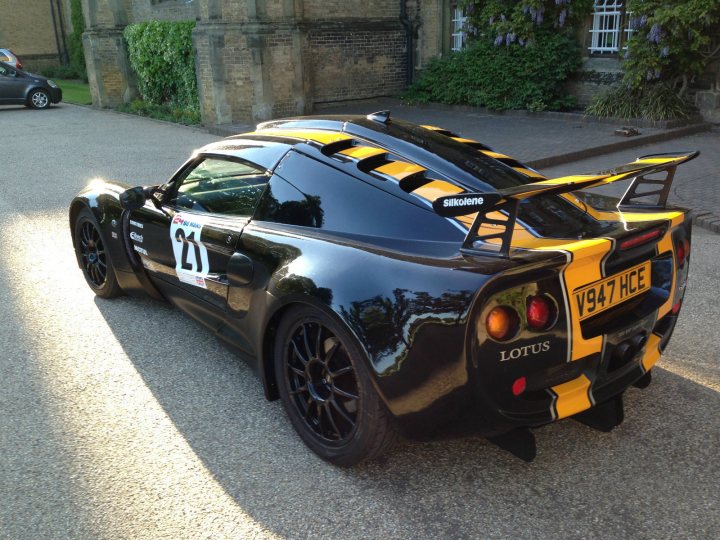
27, 29
356, 64
162, 10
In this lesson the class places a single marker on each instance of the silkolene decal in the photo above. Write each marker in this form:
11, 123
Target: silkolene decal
191, 256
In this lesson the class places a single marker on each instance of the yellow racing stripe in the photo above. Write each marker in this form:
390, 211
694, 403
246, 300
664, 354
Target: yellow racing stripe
572, 397
652, 352
400, 169
318, 136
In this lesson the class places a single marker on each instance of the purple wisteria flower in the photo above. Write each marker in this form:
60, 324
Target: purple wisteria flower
521, 41
526, 10
655, 34
643, 20
491, 19
498, 41
657, 73
510, 38
562, 17
665, 52
502, 17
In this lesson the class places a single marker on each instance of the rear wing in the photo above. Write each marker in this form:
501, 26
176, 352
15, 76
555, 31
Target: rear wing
507, 201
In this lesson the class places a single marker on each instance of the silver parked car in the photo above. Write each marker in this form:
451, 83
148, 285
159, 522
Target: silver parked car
7, 56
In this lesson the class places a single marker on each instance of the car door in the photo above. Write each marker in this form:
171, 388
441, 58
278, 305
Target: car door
12, 86
187, 241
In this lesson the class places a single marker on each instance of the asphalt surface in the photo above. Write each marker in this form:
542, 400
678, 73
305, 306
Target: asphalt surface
125, 419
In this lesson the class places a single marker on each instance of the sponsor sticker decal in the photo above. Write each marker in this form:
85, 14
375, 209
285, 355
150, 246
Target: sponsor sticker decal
191, 256
136, 224
140, 250
136, 237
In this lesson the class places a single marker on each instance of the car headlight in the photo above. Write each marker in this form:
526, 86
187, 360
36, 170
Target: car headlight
52, 84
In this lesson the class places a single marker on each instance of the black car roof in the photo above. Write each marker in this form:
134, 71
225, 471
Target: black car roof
468, 164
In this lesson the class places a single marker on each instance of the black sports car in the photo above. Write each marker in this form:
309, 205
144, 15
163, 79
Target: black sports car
391, 279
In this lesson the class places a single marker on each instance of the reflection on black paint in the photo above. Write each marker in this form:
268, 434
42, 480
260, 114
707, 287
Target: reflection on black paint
296, 208
388, 325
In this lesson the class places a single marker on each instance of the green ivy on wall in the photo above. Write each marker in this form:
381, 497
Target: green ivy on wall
162, 56
74, 42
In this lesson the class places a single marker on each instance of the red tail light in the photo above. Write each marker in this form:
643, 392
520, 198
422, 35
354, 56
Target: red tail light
640, 239
680, 252
540, 313
18, 64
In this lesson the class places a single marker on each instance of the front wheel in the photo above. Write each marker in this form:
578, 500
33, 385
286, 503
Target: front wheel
39, 99
93, 257
326, 390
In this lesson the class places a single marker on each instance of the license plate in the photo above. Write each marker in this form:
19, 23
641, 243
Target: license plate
606, 293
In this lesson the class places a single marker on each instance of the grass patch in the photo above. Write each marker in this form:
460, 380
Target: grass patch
166, 111
76, 92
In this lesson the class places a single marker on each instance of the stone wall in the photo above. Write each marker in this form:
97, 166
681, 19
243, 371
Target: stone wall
259, 59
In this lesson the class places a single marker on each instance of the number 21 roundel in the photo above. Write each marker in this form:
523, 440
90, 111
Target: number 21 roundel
191, 256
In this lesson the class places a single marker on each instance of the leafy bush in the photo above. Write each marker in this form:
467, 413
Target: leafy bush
161, 54
657, 101
164, 111
75, 44
63, 72
503, 77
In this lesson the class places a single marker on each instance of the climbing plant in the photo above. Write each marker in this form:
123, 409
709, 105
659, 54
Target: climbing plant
161, 54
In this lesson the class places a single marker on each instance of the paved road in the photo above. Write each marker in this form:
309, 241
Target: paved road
125, 419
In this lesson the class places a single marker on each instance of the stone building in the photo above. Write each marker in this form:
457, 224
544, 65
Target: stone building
258, 59
36, 31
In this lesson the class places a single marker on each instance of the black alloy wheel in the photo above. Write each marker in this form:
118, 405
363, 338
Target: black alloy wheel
326, 389
94, 258
322, 381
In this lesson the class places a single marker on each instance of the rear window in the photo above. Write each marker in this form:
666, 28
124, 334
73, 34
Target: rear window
309, 193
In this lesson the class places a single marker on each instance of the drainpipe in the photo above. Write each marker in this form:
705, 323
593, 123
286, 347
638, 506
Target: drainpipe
55, 28
63, 33
405, 21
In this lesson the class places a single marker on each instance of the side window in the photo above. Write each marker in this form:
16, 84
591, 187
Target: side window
309, 193
220, 186
6, 72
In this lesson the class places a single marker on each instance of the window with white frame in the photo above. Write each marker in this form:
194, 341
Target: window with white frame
606, 26
459, 25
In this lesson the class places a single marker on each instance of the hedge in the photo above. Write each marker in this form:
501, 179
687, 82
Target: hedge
161, 54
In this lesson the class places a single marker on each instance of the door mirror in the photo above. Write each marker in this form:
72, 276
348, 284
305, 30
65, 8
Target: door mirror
133, 198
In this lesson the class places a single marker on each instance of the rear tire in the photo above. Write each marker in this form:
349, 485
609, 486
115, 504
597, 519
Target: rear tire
39, 99
326, 389
93, 256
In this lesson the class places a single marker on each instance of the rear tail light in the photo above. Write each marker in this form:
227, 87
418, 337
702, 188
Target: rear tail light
18, 63
502, 323
540, 313
682, 251
640, 239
